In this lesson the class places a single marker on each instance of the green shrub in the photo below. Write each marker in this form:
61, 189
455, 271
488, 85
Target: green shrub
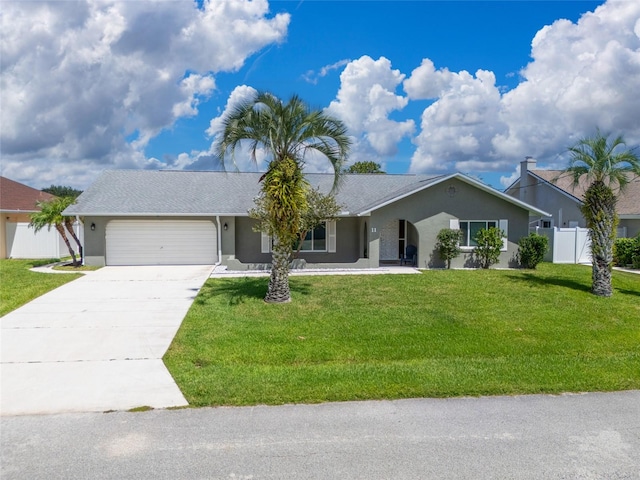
448, 244
531, 250
635, 256
489, 242
624, 251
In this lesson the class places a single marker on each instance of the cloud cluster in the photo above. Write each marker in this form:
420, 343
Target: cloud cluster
366, 98
89, 83
457, 126
582, 76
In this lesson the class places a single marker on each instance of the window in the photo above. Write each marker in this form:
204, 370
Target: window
470, 229
316, 239
321, 239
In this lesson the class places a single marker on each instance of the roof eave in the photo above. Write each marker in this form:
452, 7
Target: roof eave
153, 214
470, 181
2, 210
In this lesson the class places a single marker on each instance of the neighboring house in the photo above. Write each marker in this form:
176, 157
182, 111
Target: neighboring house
181, 217
17, 240
553, 192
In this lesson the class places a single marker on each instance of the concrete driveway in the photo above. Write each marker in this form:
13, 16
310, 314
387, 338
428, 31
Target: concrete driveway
97, 343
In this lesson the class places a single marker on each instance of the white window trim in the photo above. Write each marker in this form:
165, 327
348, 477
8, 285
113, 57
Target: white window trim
266, 241
502, 224
330, 238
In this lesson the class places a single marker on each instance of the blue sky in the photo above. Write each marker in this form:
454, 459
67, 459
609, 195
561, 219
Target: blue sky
424, 87
458, 35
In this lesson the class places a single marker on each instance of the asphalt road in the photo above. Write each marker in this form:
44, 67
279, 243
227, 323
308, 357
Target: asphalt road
583, 436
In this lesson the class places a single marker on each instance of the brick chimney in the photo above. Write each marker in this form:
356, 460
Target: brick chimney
529, 163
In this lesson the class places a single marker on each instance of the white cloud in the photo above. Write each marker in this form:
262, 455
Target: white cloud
242, 160
364, 102
582, 76
456, 128
312, 76
80, 80
507, 180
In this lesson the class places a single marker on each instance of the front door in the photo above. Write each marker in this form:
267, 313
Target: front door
389, 241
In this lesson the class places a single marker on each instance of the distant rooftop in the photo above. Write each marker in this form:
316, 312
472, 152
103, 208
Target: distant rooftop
17, 197
628, 199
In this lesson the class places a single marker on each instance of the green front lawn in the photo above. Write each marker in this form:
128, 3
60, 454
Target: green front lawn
442, 333
19, 285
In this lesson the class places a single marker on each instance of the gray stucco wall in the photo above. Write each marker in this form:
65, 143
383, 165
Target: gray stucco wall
94, 240
432, 209
348, 244
632, 225
562, 208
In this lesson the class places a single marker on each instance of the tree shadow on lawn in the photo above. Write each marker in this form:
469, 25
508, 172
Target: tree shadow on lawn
628, 292
556, 281
238, 290
566, 282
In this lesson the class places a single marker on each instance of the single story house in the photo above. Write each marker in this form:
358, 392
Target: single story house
553, 191
142, 217
17, 239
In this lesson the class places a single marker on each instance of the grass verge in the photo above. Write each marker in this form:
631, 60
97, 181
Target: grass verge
19, 285
439, 334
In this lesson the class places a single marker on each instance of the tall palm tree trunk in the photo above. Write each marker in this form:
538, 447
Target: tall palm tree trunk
62, 233
69, 224
278, 290
599, 210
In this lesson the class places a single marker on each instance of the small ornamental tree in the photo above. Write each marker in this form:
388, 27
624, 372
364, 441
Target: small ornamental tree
448, 244
364, 167
489, 242
531, 250
318, 208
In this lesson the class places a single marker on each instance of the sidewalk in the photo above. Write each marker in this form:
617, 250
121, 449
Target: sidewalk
221, 271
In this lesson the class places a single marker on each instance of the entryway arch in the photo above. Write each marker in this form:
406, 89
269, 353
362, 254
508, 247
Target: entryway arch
394, 238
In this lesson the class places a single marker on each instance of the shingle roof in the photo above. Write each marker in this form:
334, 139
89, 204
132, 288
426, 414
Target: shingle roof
17, 197
628, 199
165, 193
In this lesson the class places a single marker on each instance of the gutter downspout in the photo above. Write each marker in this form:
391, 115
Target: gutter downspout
219, 234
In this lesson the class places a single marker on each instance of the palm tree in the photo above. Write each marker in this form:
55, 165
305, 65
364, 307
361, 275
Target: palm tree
286, 131
605, 165
50, 214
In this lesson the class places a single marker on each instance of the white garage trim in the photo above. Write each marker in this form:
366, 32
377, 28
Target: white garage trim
161, 242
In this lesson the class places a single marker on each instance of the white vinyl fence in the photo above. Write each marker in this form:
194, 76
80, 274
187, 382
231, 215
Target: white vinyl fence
567, 245
23, 242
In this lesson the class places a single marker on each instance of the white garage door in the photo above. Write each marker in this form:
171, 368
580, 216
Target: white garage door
161, 242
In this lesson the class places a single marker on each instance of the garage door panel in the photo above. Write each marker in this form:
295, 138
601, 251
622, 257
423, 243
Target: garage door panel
161, 242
